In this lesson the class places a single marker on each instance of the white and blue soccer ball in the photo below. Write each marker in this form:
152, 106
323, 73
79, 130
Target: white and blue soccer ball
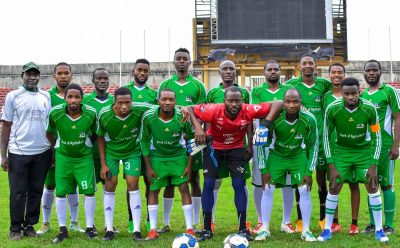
236, 241
185, 240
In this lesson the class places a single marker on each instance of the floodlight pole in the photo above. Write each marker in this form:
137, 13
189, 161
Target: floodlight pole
120, 58
390, 54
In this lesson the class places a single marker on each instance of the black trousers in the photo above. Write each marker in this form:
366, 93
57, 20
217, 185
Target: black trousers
26, 179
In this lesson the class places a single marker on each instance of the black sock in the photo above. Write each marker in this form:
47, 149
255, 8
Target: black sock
129, 205
354, 222
299, 217
336, 220
207, 220
322, 193
242, 220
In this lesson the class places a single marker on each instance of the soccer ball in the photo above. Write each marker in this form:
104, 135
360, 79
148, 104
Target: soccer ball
185, 240
236, 241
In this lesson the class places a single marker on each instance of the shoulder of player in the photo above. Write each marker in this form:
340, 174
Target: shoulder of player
166, 82
333, 105
57, 110
322, 80
367, 103
307, 116
105, 110
293, 81
150, 113
89, 110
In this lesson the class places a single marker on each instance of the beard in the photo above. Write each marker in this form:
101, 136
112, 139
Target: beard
141, 82
273, 80
373, 83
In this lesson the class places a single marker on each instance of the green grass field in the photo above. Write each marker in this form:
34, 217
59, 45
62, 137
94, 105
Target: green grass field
225, 217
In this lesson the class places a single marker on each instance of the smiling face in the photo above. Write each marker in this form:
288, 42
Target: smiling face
336, 75
141, 73
307, 66
31, 79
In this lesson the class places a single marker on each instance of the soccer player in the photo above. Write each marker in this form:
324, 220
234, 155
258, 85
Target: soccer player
118, 131
25, 151
312, 89
62, 74
292, 135
336, 75
387, 102
167, 163
227, 71
270, 90
141, 92
228, 125
353, 156
69, 130
188, 91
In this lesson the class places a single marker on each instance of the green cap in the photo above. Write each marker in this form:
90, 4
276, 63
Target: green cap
30, 66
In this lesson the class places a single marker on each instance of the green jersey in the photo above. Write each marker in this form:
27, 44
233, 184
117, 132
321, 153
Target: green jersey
216, 95
91, 100
73, 135
328, 98
55, 98
163, 140
291, 139
263, 93
387, 102
190, 93
357, 130
121, 134
142, 94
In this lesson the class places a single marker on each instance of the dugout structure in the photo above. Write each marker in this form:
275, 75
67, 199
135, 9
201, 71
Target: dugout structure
252, 32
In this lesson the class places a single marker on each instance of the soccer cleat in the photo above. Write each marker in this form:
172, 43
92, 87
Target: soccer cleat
321, 224
353, 229
308, 236
109, 236
89, 233
29, 231
213, 227
263, 234
152, 235
137, 236
73, 226
95, 230
45, 228
287, 228
246, 233
299, 226
191, 232
115, 230
336, 228
15, 236
248, 227
325, 235
164, 229
257, 228
205, 235
130, 226
388, 230
63, 234
381, 236
369, 229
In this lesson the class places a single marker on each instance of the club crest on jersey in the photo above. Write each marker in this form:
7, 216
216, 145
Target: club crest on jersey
318, 99
189, 99
351, 119
360, 126
176, 134
298, 136
82, 135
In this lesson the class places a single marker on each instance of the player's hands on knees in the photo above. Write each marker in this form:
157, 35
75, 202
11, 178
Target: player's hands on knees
260, 136
188, 173
103, 172
394, 152
372, 178
333, 175
4, 164
307, 180
248, 154
266, 180
150, 173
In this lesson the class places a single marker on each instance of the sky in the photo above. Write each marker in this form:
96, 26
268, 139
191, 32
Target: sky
89, 31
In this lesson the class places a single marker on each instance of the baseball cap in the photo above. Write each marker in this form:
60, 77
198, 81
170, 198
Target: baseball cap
29, 66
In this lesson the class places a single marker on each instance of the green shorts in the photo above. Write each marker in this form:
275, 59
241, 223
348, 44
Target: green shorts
197, 162
279, 166
168, 172
385, 168
132, 166
74, 171
51, 177
97, 168
322, 165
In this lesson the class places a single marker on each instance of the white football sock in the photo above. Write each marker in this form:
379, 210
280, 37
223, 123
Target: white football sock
135, 203
257, 195
196, 202
90, 209
61, 209
287, 202
247, 196
266, 205
109, 206
187, 211
375, 201
47, 204
153, 214
73, 202
330, 207
305, 207
167, 207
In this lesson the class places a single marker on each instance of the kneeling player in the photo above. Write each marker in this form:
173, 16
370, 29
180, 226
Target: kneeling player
164, 152
292, 134
354, 156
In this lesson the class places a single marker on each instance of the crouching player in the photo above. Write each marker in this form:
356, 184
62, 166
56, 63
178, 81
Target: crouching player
354, 156
118, 130
164, 151
292, 135
73, 123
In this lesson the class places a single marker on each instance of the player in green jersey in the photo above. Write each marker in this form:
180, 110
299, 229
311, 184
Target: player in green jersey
189, 91
312, 89
336, 75
164, 151
387, 102
271, 90
70, 128
118, 130
292, 135
227, 72
354, 155
62, 74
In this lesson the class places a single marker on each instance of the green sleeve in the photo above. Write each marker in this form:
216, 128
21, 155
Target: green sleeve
202, 94
209, 96
254, 96
51, 127
328, 128
188, 130
100, 128
376, 138
246, 96
394, 100
145, 136
312, 146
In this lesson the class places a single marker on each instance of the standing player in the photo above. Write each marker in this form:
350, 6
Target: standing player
70, 127
387, 102
167, 163
188, 91
141, 92
312, 89
62, 75
293, 134
336, 75
227, 71
228, 125
271, 90
118, 131
354, 156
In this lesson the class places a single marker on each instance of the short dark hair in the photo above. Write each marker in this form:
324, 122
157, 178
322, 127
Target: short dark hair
373, 61
61, 64
272, 62
122, 91
98, 69
73, 87
141, 61
350, 82
182, 50
336, 64
165, 90
292, 89
232, 89
308, 55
